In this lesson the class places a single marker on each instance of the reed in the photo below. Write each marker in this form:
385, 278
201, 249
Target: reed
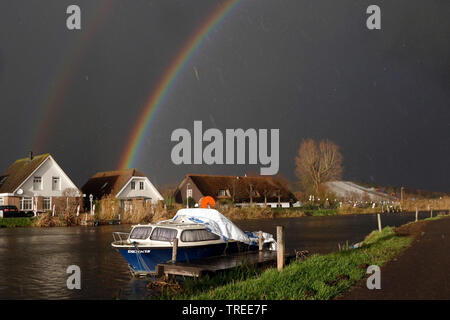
425, 204
108, 208
139, 212
63, 220
255, 212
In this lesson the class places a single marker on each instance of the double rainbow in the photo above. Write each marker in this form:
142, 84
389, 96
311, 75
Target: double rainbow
160, 92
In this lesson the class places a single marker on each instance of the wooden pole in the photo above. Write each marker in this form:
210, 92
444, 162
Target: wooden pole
260, 240
174, 250
431, 213
280, 248
417, 214
379, 222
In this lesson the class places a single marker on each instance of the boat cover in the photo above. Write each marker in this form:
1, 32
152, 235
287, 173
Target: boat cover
218, 224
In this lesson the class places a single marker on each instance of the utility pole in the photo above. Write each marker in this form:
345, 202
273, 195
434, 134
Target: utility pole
91, 198
187, 194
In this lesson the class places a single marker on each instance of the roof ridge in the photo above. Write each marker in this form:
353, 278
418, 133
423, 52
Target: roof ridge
229, 176
45, 155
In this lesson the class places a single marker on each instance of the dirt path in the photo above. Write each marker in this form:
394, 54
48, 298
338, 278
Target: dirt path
421, 272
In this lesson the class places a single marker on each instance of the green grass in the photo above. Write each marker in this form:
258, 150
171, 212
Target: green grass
321, 212
318, 277
15, 222
193, 286
308, 211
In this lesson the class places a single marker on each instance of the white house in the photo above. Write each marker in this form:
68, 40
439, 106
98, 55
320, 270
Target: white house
125, 185
34, 183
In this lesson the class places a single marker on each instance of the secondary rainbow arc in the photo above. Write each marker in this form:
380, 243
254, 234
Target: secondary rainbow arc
157, 96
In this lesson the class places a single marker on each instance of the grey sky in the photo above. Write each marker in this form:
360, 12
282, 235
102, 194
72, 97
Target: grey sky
309, 68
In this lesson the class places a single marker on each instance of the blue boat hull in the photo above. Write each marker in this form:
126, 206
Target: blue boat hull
147, 258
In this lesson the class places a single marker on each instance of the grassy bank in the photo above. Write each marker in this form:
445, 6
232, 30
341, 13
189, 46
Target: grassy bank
302, 211
318, 277
15, 222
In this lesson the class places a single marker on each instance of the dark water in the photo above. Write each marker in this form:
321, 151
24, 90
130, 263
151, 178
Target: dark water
33, 261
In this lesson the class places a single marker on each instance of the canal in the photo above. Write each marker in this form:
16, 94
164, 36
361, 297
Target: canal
33, 261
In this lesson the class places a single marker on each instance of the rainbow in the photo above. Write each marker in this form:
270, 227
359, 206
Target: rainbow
62, 78
157, 96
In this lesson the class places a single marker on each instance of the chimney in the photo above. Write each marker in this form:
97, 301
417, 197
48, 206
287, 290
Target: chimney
31, 155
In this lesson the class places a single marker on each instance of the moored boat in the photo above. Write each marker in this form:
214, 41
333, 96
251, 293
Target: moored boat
201, 233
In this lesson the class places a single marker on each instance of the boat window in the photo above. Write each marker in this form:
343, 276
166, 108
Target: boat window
164, 234
198, 235
140, 233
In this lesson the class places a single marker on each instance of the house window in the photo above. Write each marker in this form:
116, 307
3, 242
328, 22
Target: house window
2, 201
133, 185
26, 203
141, 185
56, 185
222, 193
189, 193
47, 203
37, 183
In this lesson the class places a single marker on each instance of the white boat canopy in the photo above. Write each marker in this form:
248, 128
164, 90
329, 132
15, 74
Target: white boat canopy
217, 223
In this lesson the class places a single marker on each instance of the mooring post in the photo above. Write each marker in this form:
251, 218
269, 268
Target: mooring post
280, 248
431, 213
379, 222
260, 236
174, 250
417, 214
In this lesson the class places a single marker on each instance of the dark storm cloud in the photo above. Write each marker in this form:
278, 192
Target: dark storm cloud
310, 68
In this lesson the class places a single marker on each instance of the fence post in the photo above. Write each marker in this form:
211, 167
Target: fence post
379, 222
260, 236
417, 214
174, 250
280, 248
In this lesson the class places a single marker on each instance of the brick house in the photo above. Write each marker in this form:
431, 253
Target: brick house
241, 190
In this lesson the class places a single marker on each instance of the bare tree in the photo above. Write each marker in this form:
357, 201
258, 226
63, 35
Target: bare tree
251, 192
263, 188
317, 163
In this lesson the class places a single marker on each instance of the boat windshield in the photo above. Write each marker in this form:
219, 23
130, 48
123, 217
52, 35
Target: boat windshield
164, 234
140, 233
198, 235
